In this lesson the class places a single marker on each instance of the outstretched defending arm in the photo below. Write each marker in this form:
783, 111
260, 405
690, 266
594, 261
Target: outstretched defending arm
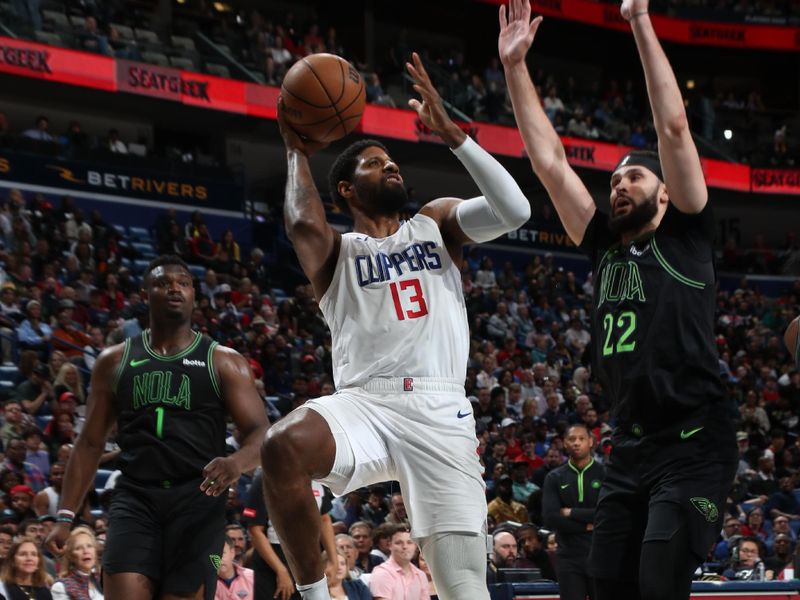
502, 208
680, 163
546, 152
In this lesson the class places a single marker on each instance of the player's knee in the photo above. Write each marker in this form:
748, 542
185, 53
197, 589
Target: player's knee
281, 450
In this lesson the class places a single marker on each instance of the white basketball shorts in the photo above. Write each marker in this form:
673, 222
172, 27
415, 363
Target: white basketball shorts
418, 431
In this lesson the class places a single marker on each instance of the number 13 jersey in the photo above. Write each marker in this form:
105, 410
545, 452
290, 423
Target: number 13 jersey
395, 307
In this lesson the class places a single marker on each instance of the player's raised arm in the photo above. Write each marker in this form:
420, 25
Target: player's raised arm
546, 152
242, 401
680, 163
315, 241
82, 465
502, 208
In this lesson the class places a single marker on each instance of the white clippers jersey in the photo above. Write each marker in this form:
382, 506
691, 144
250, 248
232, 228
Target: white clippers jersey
395, 307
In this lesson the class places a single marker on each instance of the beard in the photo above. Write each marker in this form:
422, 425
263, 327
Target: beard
637, 217
382, 198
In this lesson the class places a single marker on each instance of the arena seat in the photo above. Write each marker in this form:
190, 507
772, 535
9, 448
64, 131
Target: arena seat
8, 373
140, 234
100, 479
198, 271
145, 249
139, 265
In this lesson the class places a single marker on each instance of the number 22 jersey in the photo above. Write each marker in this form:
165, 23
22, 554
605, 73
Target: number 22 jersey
653, 344
395, 307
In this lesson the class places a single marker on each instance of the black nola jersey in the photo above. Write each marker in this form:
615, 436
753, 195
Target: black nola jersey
653, 344
171, 415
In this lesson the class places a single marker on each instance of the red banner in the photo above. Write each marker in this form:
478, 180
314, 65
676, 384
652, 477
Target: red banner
99, 72
776, 181
704, 33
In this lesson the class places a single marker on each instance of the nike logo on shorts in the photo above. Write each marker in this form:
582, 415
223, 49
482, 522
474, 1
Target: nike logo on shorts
461, 416
566, 485
685, 435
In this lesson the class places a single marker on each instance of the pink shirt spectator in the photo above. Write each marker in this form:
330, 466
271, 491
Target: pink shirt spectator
241, 587
389, 581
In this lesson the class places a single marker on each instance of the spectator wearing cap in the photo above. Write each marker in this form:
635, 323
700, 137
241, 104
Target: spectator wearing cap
29, 474
67, 337
21, 497
36, 393
504, 507
522, 487
33, 333
508, 431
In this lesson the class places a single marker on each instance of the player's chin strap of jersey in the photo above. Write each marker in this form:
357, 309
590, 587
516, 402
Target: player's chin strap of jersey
502, 208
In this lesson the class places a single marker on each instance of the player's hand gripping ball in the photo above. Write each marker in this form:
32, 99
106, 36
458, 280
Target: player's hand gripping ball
323, 97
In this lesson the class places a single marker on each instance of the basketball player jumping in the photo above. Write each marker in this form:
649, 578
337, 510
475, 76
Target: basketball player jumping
391, 293
674, 453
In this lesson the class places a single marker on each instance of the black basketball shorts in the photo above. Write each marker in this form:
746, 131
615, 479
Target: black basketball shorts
173, 536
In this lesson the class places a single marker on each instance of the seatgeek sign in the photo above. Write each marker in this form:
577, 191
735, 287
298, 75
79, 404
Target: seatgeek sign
71, 67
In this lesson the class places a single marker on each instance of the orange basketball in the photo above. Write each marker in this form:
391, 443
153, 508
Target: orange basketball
323, 97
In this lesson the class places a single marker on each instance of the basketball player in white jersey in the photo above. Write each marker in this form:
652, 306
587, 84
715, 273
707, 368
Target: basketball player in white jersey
391, 295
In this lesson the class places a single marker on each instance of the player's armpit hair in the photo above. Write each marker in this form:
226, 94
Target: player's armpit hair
502, 208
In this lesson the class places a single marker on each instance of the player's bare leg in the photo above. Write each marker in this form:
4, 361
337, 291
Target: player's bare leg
128, 586
297, 448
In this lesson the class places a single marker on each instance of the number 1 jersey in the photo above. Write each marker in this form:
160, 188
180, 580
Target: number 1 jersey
395, 307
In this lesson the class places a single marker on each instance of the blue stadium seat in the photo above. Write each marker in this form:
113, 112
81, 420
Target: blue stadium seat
139, 265
121, 230
140, 234
198, 271
127, 263
43, 420
7, 386
101, 477
145, 249
9, 373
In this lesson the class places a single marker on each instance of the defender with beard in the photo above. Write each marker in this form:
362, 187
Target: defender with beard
674, 454
391, 293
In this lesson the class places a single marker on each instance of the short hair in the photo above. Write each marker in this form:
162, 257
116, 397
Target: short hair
163, 261
360, 525
581, 425
344, 167
398, 528
229, 541
382, 532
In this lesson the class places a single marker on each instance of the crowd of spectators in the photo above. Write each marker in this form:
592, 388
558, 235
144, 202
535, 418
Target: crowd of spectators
65, 294
271, 39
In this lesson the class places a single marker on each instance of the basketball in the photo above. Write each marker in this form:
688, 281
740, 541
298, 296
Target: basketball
323, 97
